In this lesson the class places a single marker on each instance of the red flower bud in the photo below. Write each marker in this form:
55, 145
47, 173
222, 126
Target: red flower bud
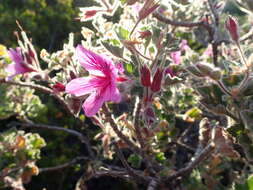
145, 76
145, 34
121, 79
231, 26
59, 87
157, 80
89, 13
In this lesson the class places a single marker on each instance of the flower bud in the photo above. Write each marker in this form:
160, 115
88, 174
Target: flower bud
216, 74
87, 14
205, 68
194, 71
145, 76
157, 80
59, 87
232, 27
209, 70
145, 34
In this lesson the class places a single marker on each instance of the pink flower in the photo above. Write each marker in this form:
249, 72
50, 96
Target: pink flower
18, 65
176, 57
100, 85
183, 45
208, 52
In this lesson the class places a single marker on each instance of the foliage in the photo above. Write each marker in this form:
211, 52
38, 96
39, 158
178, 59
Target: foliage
185, 80
19, 152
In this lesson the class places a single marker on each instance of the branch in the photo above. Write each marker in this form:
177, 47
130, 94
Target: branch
114, 126
131, 145
51, 127
116, 174
41, 89
80, 136
165, 20
62, 166
199, 158
214, 12
136, 115
152, 185
136, 175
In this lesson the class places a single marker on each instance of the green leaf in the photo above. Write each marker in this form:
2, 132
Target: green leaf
160, 157
134, 160
250, 182
115, 50
122, 33
129, 68
123, 2
193, 113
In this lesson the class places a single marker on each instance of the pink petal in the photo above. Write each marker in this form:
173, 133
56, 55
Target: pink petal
95, 101
92, 104
113, 94
92, 62
176, 57
82, 86
15, 55
183, 45
16, 68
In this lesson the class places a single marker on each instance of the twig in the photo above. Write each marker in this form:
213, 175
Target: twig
199, 158
136, 115
116, 174
214, 12
130, 170
165, 20
224, 88
80, 136
130, 144
62, 166
215, 53
114, 126
51, 127
41, 89
152, 185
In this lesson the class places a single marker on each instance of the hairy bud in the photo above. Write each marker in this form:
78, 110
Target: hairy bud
157, 80
145, 34
232, 27
145, 76
59, 87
